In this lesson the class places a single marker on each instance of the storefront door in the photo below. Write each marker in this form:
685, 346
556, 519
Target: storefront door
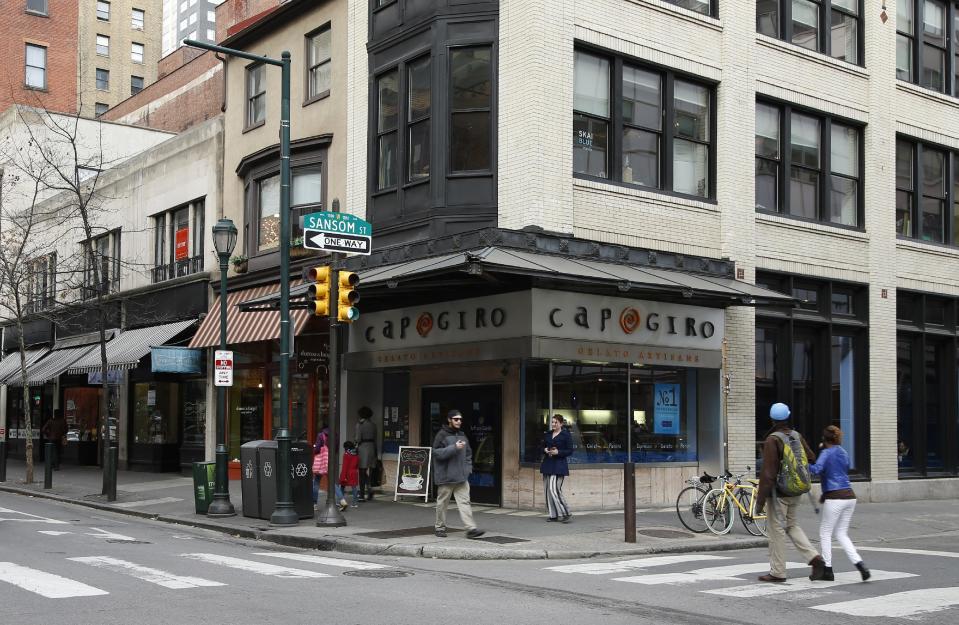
481, 407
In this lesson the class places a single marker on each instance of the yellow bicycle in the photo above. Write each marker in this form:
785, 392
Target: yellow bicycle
720, 505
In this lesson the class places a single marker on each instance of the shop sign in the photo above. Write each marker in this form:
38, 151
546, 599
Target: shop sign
96, 377
666, 402
223, 368
181, 244
175, 360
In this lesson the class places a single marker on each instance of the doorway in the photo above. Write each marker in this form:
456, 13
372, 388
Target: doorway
481, 406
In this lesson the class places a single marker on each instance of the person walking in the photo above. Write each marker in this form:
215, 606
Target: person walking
321, 463
557, 446
54, 431
366, 441
349, 474
452, 465
783, 508
838, 502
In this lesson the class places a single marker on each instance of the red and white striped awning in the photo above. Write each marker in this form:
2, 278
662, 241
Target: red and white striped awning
246, 327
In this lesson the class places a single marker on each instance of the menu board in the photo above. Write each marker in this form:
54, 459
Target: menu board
413, 472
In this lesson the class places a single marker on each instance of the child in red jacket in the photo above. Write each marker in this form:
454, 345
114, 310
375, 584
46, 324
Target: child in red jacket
350, 473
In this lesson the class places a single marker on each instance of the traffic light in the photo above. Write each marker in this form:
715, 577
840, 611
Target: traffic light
319, 291
346, 309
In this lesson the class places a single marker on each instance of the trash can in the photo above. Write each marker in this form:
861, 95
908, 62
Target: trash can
204, 483
258, 479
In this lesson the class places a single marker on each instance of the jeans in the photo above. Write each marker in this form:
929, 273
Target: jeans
836, 515
338, 490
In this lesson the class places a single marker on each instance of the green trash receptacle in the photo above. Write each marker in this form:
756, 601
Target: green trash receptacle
204, 482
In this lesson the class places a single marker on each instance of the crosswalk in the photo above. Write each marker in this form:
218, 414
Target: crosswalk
733, 576
56, 585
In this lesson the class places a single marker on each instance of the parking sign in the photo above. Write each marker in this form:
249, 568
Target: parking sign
223, 368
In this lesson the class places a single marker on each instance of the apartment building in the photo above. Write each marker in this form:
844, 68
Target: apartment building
188, 19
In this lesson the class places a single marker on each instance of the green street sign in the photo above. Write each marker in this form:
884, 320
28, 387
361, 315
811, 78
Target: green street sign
337, 223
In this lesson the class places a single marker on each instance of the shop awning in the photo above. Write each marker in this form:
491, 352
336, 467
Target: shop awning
10, 365
55, 363
127, 348
247, 327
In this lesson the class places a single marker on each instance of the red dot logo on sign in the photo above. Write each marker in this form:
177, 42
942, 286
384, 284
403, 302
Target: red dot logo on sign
424, 324
629, 320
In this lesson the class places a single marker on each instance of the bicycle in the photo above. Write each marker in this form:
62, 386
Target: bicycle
718, 510
689, 503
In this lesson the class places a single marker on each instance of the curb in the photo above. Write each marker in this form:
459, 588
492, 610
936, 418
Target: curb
349, 544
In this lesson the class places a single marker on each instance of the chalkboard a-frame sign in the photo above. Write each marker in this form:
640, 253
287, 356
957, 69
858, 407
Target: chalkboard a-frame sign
413, 473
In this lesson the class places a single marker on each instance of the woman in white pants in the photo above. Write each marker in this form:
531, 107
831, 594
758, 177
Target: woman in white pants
839, 501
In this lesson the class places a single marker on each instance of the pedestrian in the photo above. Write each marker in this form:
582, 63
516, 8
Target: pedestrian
557, 446
838, 502
452, 465
349, 474
366, 440
54, 431
784, 443
321, 463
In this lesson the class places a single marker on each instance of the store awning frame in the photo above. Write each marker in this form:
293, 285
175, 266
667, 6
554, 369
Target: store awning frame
127, 348
54, 364
10, 365
243, 326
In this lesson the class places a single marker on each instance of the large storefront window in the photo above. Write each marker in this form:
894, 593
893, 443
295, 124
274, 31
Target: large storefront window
609, 407
156, 413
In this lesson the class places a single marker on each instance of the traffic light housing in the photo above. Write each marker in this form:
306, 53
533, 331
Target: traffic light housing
346, 309
319, 291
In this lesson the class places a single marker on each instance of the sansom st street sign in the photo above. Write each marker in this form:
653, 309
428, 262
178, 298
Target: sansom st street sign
337, 232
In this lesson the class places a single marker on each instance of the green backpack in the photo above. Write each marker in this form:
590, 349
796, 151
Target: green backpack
793, 478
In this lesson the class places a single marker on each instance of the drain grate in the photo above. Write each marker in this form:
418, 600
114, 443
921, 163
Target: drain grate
401, 533
501, 540
378, 574
657, 533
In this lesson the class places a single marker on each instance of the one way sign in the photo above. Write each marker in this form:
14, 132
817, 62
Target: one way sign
346, 243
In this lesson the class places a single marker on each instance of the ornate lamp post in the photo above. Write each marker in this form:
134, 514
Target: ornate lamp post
224, 240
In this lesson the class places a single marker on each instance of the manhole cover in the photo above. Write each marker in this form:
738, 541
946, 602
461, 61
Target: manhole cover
655, 533
401, 533
377, 574
501, 540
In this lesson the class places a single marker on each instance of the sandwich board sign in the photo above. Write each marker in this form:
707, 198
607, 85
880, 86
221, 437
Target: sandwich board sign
413, 473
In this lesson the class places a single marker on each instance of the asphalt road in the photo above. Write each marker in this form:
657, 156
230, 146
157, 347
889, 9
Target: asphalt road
72, 565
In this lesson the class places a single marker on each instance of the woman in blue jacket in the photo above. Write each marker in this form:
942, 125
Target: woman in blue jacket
838, 499
557, 445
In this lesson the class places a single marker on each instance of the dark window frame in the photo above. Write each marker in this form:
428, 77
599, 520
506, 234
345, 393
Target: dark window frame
950, 216
311, 97
488, 110
42, 10
249, 123
165, 264
784, 27
133, 88
41, 283
106, 83
379, 134
410, 123
26, 83
917, 43
143, 52
109, 264
825, 170
668, 76
96, 105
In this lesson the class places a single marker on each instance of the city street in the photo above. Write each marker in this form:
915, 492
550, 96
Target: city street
63, 563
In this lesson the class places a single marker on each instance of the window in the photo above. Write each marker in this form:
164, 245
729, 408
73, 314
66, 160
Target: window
36, 67
268, 220
306, 196
211, 34
832, 27
927, 44
255, 96
37, 6
102, 266
178, 241
193, 18
136, 52
815, 174
137, 18
471, 81
136, 84
927, 195
103, 79
103, 10
387, 118
103, 45
100, 108
211, 16
85, 173
658, 135
418, 119
41, 283
319, 67
699, 6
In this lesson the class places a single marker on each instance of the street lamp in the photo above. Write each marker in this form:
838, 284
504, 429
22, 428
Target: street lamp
224, 240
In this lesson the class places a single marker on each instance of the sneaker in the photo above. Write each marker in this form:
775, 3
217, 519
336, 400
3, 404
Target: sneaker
355, 505
440, 533
475, 533
343, 505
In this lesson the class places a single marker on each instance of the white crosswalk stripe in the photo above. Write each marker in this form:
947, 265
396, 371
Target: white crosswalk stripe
147, 574
253, 566
715, 573
339, 562
804, 583
45, 584
622, 566
907, 604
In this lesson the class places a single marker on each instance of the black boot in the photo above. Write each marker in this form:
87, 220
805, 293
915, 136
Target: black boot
818, 568
863, 570
827, 574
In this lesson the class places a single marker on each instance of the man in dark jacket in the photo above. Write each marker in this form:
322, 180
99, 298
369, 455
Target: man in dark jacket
781, 515
54, 430
452, 465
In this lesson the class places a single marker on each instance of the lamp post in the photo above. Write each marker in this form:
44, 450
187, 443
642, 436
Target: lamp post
284, 513
224, 240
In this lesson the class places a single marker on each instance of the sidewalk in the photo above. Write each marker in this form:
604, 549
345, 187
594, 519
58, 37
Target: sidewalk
382, 527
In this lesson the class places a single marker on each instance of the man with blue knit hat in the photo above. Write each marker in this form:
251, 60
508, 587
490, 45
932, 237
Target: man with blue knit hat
782, 509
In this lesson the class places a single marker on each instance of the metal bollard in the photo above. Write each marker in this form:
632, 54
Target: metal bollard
48, 465
112, 469
629, 500
284, 513
3, 461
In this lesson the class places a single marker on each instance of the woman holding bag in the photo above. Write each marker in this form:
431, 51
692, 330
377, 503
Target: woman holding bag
557, 446
321, 463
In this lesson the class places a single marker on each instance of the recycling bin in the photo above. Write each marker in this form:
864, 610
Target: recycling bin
258, 478
204, 483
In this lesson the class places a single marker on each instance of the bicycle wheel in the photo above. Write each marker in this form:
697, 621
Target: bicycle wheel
756, 527
718, 511
689, 507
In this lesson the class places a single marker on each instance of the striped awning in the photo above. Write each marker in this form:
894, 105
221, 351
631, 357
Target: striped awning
55, 363
246, 327
10, 365
127, 348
